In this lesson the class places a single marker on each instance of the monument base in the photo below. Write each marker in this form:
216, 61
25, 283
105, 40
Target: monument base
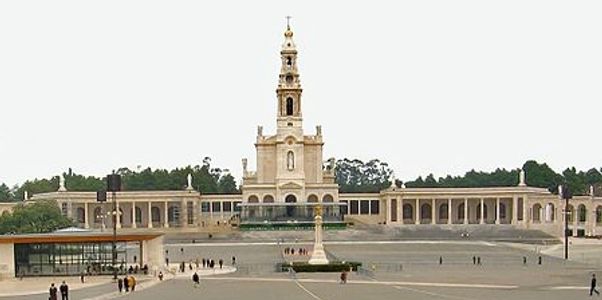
318, 256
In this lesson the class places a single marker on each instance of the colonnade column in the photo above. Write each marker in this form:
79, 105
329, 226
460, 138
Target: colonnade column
70, 209
465, 210
399, 210
514, 210
118, 215
497, 210
433, 211
149, 221
417, 209
165, 215
86, 216
195, 212
387, 210
134, 215
449, 211
482, 221
184, 213
526, 216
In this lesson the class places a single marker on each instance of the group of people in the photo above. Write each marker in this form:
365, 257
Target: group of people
64, 289
127, 283
291, 251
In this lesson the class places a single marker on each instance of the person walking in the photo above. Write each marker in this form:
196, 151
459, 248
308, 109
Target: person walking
160, 276
196, 280
234, 260
592, 288
344, 277
221, 263
53, 292
132, 283
126, 284
474, 260
120, 285
64, 288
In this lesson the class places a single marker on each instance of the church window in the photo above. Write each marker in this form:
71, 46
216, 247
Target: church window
290, 160
289, 62
289, 106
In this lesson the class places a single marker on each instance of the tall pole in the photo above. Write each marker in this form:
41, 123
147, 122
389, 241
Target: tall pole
114, 251
566, 228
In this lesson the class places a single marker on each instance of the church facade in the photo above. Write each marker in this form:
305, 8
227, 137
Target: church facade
292, 177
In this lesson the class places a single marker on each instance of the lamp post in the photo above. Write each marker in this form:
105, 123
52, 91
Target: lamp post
113, 186
566, 194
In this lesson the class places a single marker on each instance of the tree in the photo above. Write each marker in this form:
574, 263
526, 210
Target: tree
6, 194
227, 185
355, 176
37, 217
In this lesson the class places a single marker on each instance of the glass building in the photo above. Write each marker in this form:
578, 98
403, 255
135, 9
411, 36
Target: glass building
42, 259
76, 253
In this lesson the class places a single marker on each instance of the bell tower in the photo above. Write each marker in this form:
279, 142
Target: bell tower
289, 87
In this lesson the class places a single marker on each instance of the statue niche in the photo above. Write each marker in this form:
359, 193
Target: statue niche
290, 160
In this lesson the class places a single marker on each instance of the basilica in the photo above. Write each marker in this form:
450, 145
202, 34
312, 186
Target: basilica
292, 177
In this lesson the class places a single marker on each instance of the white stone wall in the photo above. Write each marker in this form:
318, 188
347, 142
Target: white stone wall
7, 261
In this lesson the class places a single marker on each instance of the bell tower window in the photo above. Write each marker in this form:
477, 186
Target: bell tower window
289, 106
289, 61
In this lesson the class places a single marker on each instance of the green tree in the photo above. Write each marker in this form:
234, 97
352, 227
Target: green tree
37, 217
6, 194
355, 176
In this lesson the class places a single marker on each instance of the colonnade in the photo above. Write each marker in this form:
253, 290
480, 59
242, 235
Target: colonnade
485, 210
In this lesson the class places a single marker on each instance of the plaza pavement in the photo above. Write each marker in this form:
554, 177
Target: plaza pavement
393, 270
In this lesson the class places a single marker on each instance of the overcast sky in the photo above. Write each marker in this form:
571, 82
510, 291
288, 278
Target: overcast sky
429, 86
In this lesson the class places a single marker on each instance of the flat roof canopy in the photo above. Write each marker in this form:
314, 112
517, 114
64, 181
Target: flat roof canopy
76, 237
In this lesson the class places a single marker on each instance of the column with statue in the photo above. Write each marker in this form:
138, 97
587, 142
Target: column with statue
318, 256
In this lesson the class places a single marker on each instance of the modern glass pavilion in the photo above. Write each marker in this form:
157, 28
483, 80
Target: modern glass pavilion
76, 253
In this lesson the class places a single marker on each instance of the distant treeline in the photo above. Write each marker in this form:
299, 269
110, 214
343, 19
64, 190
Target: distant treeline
204, 178
352, 175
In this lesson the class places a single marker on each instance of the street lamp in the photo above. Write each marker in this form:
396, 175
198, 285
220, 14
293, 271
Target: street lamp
566, 194
114, 186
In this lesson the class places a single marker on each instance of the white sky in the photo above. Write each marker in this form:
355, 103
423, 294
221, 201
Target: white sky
428, 86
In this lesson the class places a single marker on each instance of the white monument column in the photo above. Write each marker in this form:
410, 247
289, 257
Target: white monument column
165, 215
149, 220
482, 221
417, 208
449, 211
86, 217
318, 256
497, 210
465, 210
134, 215
433, 211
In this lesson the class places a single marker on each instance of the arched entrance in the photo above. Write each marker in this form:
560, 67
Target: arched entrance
290, 209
